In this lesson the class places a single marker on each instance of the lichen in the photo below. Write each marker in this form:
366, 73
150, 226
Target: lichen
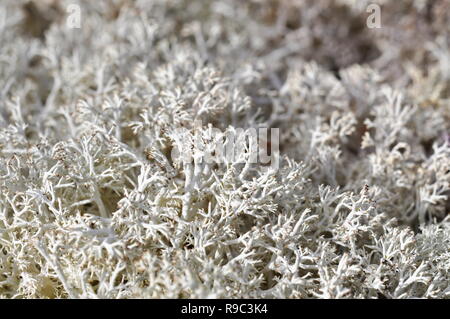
94, 204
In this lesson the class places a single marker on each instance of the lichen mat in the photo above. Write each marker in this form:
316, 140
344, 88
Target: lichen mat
94, 95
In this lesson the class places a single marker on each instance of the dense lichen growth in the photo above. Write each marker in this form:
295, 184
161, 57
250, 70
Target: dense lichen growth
92, 204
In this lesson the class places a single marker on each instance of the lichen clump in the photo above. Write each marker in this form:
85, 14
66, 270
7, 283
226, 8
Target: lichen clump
93, 205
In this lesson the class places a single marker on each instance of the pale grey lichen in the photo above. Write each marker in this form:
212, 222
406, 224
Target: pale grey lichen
93, 205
